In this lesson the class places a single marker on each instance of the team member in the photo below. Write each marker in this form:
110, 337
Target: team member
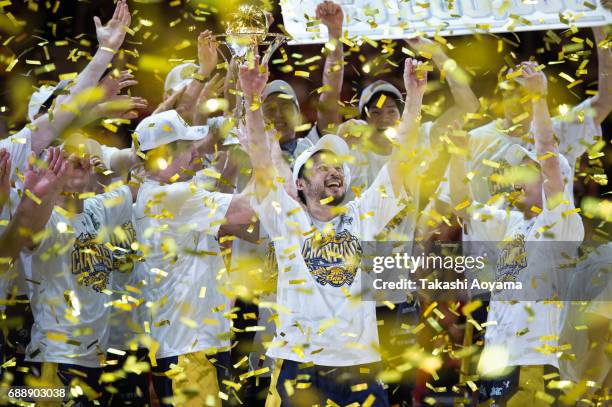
325, 333
280, 103
523, 331
176, 224
34, 208
70, 270
576, 130
380, 107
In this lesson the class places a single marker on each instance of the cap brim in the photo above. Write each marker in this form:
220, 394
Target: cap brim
329, 142
517, 153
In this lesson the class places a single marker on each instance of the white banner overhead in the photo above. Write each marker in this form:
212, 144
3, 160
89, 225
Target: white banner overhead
378, 19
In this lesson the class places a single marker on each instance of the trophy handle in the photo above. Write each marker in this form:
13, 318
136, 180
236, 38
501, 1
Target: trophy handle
277, 41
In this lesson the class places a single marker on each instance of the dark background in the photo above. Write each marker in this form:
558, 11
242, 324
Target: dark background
166, 32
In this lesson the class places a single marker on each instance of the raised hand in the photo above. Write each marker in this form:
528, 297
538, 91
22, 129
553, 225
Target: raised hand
112, 34
332, 16
532, 79
46, 183
113, 85
253, 80
122, 107
207, 53
415, 80
424, 45
5, 177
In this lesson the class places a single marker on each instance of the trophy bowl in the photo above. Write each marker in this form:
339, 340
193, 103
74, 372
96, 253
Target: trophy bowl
246, 30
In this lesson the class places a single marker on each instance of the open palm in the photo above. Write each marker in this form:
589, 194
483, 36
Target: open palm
112, 34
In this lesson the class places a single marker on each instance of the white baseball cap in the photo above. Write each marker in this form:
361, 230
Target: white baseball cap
516, 153
329, 142
374, 88
279, 86
164, 128
179, 76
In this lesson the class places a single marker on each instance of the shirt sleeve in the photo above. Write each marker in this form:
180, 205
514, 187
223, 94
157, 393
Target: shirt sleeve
378, 205
19, 145
279, 214
107, 155
576, 131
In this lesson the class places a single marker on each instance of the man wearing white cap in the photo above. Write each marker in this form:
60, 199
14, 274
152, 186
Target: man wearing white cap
70, 272
576, 129
380, 106
177, 222
280, 103
326, 337
523, 335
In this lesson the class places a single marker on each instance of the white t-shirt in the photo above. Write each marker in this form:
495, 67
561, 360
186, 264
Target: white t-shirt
177, 225
71, 282
321, 318
14, 275
125, 322
526, 330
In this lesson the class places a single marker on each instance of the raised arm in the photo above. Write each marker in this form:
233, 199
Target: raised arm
42, 185
259, 143
328, 113
602, 102
465, 100
459, 189
110, 37
545, 144
401, 163
207, 58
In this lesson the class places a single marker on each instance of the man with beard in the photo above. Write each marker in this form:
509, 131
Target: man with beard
326, 341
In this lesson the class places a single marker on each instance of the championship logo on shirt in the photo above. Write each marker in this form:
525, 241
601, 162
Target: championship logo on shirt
333, 259
91, 262
512, 259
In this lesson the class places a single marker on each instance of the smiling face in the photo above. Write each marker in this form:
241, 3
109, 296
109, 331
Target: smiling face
322, 177
283, 114
381, 118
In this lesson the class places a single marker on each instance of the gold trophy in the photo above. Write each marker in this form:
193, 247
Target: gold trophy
247, 30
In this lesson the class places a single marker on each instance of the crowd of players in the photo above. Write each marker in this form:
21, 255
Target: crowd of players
132, 259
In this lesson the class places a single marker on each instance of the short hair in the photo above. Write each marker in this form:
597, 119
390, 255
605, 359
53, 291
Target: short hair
376, 96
